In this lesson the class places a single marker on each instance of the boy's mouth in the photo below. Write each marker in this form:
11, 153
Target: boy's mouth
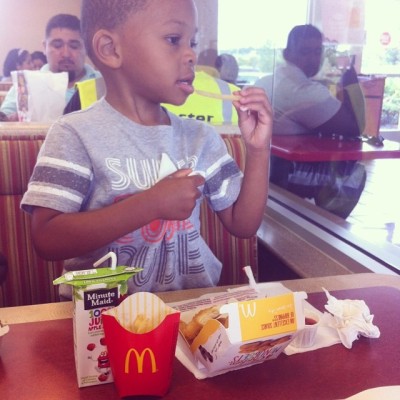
186, 85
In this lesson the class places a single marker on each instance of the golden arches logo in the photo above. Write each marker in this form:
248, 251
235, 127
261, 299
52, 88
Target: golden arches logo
251, 310
140, 360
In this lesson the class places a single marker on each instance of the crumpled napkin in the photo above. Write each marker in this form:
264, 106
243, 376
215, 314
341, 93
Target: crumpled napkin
351, 318
344, 322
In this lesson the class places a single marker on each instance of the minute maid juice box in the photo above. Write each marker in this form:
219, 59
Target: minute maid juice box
94, 292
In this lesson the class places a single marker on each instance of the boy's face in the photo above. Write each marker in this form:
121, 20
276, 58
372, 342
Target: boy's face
65, 52
158, 51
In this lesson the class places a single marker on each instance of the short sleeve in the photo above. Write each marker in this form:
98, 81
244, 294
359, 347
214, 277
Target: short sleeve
62, 176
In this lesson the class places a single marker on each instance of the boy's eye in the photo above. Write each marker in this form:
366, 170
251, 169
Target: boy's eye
174, 40
193, 44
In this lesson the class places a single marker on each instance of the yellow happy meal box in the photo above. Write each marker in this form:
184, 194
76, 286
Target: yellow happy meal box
236, 335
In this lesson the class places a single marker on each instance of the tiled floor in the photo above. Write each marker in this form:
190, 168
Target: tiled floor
377, 215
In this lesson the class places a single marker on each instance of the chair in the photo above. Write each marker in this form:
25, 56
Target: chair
29, 279
233, 252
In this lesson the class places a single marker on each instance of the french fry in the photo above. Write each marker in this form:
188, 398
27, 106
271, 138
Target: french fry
219, 96
141, 324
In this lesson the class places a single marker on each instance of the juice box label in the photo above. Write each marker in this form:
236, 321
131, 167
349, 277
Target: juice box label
91, 354
100, 298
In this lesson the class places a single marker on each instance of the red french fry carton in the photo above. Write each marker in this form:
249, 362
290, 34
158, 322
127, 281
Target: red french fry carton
141, 335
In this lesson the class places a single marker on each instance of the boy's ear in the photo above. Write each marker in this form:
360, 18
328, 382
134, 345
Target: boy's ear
106, 48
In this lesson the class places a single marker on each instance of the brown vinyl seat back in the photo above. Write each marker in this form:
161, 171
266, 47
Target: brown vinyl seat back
29, 278
233, 252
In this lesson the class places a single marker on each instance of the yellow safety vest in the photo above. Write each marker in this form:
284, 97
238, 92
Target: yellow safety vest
212, 111
90, 91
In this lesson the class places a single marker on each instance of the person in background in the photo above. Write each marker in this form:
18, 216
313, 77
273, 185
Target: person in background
227, 67
206, 62
16, 60
38, 60
303, 106
65, 52
126, 175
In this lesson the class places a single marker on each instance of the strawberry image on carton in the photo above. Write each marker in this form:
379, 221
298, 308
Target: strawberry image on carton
236, 335
94, 292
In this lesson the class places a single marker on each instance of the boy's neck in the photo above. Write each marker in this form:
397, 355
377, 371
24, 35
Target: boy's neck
148, 115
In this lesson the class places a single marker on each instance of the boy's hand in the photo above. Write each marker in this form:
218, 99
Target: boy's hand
255, 117
177, 194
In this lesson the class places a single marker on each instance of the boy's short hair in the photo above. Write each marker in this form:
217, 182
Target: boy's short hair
105, 14
68, 21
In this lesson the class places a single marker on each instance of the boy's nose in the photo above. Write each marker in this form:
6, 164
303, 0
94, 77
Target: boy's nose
192, 57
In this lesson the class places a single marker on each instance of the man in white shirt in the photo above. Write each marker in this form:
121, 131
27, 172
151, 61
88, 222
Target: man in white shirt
302, 105
65, 52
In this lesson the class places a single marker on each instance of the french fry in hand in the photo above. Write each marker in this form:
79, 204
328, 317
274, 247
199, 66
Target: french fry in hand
219, 96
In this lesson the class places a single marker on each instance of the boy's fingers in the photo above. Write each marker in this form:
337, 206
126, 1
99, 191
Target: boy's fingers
198, 180
181, 173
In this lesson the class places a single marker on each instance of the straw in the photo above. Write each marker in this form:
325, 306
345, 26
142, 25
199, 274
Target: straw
252, 282
111, 255
219, 96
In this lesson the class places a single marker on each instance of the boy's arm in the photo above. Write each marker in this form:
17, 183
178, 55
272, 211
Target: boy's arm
59, 236
255, 122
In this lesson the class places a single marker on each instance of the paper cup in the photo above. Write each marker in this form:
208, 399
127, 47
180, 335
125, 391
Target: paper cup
306, 337
141, 363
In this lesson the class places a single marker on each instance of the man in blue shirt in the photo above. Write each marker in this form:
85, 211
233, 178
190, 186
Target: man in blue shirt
65, 52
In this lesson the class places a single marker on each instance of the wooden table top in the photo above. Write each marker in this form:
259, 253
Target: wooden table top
54, 311
37, 361
313, 148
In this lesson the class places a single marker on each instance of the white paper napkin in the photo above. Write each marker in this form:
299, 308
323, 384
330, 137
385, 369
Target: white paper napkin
167, 167
345, 322
352, 318
382, 392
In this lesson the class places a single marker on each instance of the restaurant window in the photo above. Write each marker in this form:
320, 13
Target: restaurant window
255, 32
252, 31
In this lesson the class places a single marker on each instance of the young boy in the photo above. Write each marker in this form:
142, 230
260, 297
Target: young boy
97, 184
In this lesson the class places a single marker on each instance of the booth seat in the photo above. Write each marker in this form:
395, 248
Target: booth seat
29, 279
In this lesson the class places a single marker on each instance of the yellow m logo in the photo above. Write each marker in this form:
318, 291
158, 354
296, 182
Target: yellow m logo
251, 310
140, 360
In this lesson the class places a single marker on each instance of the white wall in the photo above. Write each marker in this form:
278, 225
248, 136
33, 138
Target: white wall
23, 22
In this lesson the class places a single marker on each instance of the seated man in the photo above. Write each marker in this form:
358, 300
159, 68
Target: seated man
65, 52
302, 105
